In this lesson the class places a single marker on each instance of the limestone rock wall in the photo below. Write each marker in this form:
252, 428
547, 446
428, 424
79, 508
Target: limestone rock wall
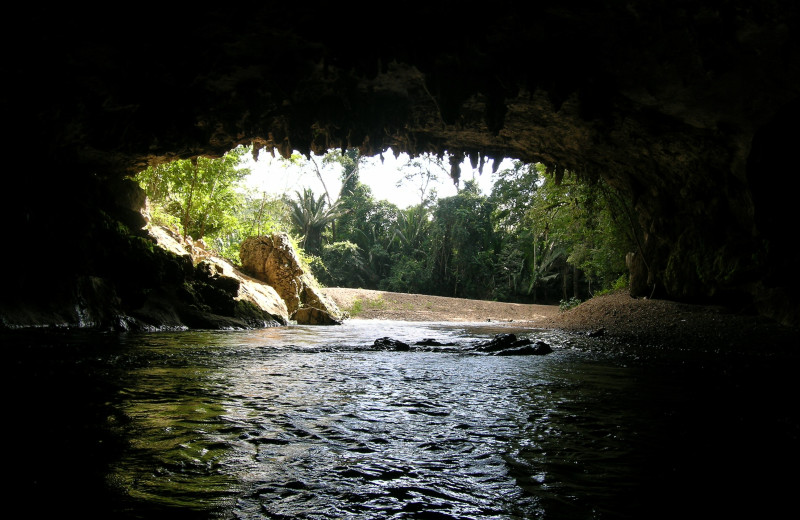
273, 260
217, 269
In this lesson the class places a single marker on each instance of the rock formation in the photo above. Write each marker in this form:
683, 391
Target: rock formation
689, 109
169, 284
273, 260
219, 270
510, 345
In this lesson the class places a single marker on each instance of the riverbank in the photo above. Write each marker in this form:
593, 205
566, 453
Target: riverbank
616, 315
365, 304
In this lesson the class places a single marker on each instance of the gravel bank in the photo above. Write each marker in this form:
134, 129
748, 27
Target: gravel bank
617, 316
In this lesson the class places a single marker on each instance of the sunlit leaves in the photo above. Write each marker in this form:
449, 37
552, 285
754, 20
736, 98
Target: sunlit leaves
200, 192
310, 215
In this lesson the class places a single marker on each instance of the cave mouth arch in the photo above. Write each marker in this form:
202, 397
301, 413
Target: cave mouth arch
530, 240
665, 108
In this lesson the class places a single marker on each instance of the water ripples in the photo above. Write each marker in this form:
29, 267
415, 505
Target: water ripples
316, 423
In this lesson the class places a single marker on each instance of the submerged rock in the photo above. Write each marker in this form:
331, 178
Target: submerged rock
430, 342
509, 345
501, 342
391, 344
537, 348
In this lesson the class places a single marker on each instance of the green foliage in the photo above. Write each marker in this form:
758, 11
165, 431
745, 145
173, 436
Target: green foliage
205, 198
262, 214
600, 238
412, 228
534, 237
582, 224
515, 191
565, 305
310, 215
461, 241
356, 309
376, 303
160, 217
342, 265
360, 305
409, 275
258, 214
532, 256
369, 224
620, 284
199, 193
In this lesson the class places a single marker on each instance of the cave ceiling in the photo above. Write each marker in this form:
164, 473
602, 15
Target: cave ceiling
582, 85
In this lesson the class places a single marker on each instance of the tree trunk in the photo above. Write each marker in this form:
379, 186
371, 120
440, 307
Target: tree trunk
188, 209
575, 284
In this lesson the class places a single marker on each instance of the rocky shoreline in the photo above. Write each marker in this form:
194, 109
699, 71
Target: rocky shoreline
612, 319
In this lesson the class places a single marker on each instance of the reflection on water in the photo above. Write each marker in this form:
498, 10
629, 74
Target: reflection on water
311, 422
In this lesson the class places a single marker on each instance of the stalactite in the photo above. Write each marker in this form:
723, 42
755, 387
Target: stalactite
474, 160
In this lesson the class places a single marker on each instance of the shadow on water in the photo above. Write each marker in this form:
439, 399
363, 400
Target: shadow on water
304, 422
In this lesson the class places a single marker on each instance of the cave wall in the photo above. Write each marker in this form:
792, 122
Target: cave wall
687, 107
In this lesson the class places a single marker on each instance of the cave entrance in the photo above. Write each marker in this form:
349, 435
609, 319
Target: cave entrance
504, 230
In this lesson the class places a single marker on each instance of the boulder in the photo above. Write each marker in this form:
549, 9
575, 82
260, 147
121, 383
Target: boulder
243, 297
501, 342
532, 349
387, 343
273, 260
509, 345
314, 316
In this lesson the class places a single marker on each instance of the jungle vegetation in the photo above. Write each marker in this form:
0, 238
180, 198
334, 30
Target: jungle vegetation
534, 238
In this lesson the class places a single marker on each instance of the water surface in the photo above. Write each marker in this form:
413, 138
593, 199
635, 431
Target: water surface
313, 422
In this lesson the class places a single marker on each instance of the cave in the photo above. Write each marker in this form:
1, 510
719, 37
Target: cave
687, 108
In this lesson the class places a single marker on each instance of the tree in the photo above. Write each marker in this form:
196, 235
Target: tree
199, 193
310, 215
587, 223
376, 239
349, 161
461, 245
514, 193
412, 228
422, 171
604, 232
343, 265
263, 213
258, 214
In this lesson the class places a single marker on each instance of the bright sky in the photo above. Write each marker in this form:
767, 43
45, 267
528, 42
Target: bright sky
273, 176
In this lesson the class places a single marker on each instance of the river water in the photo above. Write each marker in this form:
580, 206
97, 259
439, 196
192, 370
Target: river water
314, 423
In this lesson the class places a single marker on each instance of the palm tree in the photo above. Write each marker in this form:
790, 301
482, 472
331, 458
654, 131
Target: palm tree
412, 227
544, 267
311, 215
